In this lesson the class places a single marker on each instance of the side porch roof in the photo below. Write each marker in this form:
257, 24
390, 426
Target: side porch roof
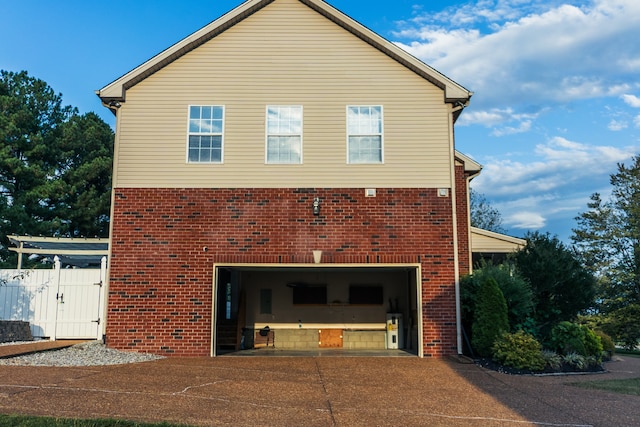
489, 242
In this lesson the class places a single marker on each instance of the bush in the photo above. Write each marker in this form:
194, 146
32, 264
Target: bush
576, 360
580, 362
516, 291
567, 338
607, 343
519, 350
490, 320
553, 359
592, 344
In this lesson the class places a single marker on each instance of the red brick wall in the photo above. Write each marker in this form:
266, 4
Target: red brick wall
161, 279
464, 250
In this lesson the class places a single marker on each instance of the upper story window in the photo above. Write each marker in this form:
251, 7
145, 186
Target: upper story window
206, 131
284, 134
364, 134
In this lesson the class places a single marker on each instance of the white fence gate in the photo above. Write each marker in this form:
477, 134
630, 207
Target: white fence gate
58, 303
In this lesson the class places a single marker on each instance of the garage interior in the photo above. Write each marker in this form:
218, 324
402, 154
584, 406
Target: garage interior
266, 309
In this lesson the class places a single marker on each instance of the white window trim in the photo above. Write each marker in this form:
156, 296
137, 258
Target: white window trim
266, 134
189, 133
381, 162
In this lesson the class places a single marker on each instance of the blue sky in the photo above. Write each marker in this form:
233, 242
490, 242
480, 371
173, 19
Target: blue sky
556, 83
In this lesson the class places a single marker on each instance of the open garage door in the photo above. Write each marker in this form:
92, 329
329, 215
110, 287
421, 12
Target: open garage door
304, 307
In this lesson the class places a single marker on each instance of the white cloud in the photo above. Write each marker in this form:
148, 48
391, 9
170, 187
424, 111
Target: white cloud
537, 66
557, 178
495, 116
558, 163
490, 11
532, 52
630, 64
486, 118
525, 220
509, 130
617, 125
631, 100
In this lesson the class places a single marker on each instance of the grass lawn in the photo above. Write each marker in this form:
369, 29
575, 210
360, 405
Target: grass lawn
633, 353
626, 386
29, 421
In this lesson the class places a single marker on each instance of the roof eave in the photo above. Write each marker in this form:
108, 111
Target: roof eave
499, 236
470, 165
116, 90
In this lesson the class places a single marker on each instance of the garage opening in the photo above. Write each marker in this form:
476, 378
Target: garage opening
302, 308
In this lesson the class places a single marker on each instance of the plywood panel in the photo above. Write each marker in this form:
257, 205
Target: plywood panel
330, 338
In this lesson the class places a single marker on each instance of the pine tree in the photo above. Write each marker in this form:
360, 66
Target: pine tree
55, 165
608, 239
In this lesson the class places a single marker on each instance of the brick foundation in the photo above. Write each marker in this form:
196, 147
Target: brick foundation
160, 288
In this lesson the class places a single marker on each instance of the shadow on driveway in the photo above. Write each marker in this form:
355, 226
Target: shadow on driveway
313, 391
555, 400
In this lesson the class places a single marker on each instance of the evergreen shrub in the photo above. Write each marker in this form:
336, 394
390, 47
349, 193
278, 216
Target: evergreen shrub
519, 350
490, 317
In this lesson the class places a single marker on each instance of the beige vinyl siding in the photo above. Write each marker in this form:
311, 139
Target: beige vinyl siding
483, 241
286, 54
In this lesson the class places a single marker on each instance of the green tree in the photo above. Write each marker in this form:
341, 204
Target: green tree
49, 158
483, 215
490, 317
623, 324
516, 291
607, 237
86, 160
562, 287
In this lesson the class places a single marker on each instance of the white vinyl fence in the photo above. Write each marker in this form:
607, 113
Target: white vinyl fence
58, 303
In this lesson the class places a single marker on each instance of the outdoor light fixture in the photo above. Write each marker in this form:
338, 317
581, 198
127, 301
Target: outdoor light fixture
316, 206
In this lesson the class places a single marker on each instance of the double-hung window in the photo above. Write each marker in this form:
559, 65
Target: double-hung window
284, 134
206, 132
364, 134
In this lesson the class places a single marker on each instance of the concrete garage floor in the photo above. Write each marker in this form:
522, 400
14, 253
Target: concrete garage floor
321, 352
316, 391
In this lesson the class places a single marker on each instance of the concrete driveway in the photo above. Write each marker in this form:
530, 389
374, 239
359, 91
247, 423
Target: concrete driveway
316, 391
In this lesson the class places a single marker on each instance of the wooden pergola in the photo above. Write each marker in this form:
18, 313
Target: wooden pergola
77, 252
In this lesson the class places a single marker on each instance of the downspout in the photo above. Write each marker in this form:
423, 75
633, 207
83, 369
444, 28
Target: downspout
469, 178
452, 153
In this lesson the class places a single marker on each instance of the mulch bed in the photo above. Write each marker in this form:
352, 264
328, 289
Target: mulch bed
564, 369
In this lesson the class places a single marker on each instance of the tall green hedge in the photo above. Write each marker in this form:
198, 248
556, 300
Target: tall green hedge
490, 319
